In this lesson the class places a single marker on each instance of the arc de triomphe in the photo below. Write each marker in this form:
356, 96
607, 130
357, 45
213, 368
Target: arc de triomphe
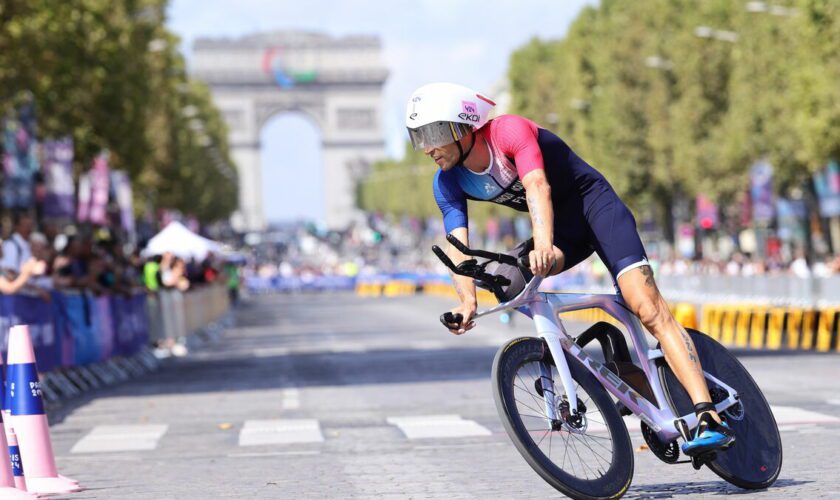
337, 82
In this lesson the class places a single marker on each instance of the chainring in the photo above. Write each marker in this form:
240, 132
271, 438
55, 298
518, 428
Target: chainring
667, 452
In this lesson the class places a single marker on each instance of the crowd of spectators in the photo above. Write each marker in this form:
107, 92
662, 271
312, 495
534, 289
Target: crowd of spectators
386, 245
740, 264
93, 260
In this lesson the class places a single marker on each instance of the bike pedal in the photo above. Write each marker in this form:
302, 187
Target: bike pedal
682, 428
701, 460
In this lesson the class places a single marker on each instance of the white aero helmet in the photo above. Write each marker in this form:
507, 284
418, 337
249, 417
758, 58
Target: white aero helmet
438, 114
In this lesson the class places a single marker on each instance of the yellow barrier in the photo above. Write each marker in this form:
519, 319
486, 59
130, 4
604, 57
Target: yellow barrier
742, 329
738, 325
710, 322
757, 327
809, 322
730, 314
775, 328
686, 315
825, 329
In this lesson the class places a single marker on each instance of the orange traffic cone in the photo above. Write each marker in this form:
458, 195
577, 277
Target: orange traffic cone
28, 418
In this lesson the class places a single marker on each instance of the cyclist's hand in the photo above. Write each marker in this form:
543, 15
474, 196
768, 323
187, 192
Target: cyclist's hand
459, 320
542, 260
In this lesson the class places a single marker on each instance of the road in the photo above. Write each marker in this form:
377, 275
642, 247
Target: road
335, 396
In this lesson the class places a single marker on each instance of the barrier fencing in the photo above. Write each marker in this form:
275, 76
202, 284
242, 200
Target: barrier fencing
741, 325
76, 329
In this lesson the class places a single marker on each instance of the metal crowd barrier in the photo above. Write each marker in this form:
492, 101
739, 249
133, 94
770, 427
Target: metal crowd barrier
735, 324
84, 341
174, 314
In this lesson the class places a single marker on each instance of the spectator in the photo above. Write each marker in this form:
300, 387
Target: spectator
41, 283
16, 249
70, 268
178, 279
799, 267
31, 267
233, 282
151, 273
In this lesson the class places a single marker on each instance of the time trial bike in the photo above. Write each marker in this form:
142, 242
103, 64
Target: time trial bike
554, 397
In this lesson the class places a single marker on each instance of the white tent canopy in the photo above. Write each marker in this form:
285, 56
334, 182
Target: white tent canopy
182, 242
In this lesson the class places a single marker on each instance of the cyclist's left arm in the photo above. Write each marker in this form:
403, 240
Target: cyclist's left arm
517, 138
538, 195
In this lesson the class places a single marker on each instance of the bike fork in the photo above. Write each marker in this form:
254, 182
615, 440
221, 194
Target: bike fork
547, 386
550, 332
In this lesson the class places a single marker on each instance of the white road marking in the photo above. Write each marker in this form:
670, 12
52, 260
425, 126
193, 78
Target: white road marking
268, 352
273, 454
791, 415
290, 399
437, 426
110, 438
261, 432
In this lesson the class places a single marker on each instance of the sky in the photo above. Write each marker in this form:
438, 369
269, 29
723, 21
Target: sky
423, 41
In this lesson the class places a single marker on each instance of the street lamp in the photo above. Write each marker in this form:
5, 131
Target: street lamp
776, 10
157, 45
189, 111
579, 104
196, 124
658, 62
722, 35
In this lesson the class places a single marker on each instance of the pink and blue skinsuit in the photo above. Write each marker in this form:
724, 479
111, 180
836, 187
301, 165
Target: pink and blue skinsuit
588, 214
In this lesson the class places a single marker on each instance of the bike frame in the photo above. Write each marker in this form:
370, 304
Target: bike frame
544, 309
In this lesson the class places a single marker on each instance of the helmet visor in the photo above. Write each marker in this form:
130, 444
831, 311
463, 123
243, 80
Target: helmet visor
437, 134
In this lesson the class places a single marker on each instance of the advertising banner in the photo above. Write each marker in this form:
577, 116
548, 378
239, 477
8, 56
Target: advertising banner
58, 178
827, 186
121, 187
34, 312
93, 192
761, 192
20, 160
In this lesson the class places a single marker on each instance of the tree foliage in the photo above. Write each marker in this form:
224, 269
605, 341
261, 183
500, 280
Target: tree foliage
668, 110
404, 188
109, 74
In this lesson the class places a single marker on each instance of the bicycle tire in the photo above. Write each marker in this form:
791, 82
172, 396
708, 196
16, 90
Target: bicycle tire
616, 480
755, 460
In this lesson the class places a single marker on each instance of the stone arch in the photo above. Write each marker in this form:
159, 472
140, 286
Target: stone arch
336, 82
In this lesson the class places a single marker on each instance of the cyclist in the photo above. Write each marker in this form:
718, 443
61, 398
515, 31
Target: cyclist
574, 211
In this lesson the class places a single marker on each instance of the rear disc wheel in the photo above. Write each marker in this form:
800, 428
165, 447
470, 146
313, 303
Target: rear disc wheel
755, 459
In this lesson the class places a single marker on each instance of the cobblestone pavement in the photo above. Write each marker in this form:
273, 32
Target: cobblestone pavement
334, 396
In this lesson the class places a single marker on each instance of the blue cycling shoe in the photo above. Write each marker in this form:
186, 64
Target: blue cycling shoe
709, 436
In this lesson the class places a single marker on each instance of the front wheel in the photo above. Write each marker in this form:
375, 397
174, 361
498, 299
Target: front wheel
583, 454
755, 460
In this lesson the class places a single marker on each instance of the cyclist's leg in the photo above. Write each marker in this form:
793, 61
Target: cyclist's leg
571, 235
617, 242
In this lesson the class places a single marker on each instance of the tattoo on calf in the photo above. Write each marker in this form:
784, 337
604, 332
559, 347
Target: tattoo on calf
688, 345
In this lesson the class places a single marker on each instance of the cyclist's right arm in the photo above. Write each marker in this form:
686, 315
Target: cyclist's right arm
464, 285
453, 206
